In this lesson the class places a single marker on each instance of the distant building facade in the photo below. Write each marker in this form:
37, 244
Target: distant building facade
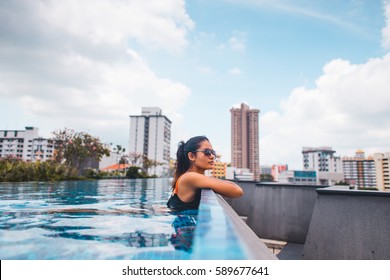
219, 168
298, 177
322, 160
273, 170
382, 168
25, 145
266, 169
243, 174
150, 135
277, 169
245, 139
359, 171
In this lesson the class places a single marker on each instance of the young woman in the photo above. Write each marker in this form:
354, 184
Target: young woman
193, 158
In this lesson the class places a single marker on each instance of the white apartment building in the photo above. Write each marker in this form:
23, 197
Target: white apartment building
25, 145
150, 134
382, 162
328, 167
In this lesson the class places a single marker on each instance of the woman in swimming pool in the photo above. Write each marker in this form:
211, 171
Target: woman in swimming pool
194, 157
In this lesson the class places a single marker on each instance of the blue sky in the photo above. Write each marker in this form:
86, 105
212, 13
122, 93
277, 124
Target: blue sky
317, 70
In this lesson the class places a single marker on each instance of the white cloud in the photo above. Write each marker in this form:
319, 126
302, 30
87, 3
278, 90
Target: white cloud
235, 71
153, 22
237, 41
205, 70
386, 29
69, 63
347, 110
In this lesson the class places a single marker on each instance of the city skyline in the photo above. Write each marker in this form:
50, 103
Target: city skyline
317, 71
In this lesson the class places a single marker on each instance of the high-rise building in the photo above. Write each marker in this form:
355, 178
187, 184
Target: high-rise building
359, 171
25, 145
322, 160
150, 135
382, 167
245, 139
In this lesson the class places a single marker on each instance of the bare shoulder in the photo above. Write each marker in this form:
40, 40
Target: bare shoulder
192, 178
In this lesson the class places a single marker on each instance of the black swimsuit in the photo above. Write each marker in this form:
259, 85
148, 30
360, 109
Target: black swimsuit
175, 203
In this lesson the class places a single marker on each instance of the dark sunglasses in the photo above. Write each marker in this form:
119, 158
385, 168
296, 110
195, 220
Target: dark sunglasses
207, 152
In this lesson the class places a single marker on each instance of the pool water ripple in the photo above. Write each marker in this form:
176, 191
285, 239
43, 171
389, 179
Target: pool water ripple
107, 219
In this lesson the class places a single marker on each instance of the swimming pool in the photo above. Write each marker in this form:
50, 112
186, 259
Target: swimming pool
105, 219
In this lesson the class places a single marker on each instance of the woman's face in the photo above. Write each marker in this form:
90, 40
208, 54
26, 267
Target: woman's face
203, 159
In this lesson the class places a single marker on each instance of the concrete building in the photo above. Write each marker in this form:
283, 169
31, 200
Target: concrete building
277, 169
239, 174
25, 145
219, 170
297, 177
322, 160
359, 171
245, 139
273, 170
266, 169
110, 160
382, 162
150, 135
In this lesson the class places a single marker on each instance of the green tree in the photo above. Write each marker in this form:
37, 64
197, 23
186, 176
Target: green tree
135, 159
143, 164
76, 149
266, 178
134, 172
16, 170
342, 183
148, 163
120, 158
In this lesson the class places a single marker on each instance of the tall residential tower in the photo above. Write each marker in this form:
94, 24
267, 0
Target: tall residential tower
359, 170
150, 135
245, 139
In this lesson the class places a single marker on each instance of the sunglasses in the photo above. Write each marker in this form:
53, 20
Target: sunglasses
207, 152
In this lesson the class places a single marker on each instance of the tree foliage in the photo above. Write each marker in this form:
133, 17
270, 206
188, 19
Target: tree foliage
143, 164
266, 178
76, 149
16, 170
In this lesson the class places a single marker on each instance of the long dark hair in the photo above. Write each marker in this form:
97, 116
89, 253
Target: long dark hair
183, 162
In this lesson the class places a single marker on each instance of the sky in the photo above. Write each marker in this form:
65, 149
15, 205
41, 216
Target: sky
318, 71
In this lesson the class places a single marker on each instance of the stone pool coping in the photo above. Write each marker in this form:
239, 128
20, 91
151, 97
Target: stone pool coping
221, 234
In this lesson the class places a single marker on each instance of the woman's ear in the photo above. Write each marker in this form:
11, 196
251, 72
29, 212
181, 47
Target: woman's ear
191, 156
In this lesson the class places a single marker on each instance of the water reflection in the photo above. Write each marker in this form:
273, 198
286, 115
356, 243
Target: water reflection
107, 219
184, 225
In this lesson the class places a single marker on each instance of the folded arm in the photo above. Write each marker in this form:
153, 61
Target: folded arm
223, 187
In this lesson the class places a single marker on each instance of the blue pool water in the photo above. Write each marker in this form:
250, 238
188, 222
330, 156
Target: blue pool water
87, 220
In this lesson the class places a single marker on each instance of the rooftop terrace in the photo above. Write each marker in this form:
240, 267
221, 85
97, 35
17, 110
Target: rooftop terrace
317, 222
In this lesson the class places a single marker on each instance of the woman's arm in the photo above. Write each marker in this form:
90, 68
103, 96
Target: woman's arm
223, 187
